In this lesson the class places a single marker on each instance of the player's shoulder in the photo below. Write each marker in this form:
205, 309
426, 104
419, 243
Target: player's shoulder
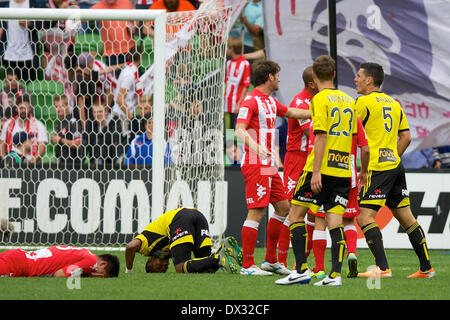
250, 99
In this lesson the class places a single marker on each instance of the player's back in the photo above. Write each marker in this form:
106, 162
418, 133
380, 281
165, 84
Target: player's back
49, 260
383, 119
333, 112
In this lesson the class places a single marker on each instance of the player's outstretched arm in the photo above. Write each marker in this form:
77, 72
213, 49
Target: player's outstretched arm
295, 113
130, 251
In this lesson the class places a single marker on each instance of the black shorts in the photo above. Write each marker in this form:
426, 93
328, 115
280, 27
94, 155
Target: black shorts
333, 197
385, 188
189, 226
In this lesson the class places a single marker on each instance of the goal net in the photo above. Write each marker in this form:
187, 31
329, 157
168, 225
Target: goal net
84, 93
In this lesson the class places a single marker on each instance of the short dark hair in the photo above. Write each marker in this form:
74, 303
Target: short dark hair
113, 267
374, 70
262, 69
23, 98
307, 75
324, 67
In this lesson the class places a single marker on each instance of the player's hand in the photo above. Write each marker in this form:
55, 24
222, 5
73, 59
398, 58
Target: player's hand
264, 153
316, 183
362, 179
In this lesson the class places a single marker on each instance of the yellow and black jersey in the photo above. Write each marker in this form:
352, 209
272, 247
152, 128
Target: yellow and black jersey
333, 112
182, 225
383, 119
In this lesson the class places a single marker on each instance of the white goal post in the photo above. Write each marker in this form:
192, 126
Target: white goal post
91, 204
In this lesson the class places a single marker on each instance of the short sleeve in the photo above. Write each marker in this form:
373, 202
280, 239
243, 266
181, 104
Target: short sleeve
246, 110
403, 122
319, 116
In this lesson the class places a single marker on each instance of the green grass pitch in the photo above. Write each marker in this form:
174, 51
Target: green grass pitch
223, 286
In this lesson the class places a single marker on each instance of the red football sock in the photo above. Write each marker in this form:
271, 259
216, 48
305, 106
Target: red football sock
319, 245
351, 236
283, 244
309, 230
273, 234
249, 235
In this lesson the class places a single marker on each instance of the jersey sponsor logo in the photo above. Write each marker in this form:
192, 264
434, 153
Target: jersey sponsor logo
204, 232
307, 197
260, 191
341, 200
179, 235
250, 200
386, 155
291, 184
377, 194
338, 159
243, 113
405, 193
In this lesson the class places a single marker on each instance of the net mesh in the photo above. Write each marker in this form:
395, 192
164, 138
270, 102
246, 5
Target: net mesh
76, 109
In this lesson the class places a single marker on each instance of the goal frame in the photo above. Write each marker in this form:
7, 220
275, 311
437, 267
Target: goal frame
160, 18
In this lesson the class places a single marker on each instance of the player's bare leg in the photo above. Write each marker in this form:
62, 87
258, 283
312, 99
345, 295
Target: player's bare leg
417, 239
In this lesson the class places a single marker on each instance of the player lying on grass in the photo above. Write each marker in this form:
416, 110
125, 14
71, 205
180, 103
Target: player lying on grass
59, 262
177, 234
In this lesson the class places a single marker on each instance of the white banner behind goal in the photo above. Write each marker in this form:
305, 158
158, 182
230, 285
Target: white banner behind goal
82, 102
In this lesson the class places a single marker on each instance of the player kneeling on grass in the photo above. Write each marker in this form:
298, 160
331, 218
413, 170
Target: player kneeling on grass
177, 234
59, 262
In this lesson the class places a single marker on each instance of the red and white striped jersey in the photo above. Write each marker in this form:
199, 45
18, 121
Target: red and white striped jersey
296, 140
56, 71
106, 80
259, 112
236, 78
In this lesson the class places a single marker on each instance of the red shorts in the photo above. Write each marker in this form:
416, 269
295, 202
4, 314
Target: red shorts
352, 209
294, 161
263, 185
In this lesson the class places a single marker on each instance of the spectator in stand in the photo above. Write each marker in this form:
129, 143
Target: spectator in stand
101, 138
67, 135
144, 4
237, 80
117, 36
253, 20
62, 70
129, 89
86, 87
441, 156
107, 80
169, 6
24, 122
21, 145
11, 89
233, 153
22, 43
418, 159
140, 151
144, 107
